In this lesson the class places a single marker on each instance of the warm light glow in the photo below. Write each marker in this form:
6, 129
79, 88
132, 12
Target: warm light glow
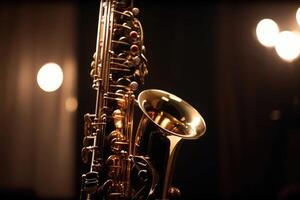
298, 16
71, 104
288, 45
195, 122
275, 115
164, 98
50, 77
267, 31
175, 98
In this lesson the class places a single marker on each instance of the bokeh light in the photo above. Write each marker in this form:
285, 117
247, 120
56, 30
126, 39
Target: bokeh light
298, 16
50, 77
288, 45
267, 32
71, 104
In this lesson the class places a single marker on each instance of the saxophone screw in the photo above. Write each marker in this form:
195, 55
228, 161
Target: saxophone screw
134, 85
135, 11
174, 193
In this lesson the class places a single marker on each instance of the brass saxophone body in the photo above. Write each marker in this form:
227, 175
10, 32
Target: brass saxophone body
125, 163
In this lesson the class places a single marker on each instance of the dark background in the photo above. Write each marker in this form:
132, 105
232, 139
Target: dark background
207, 53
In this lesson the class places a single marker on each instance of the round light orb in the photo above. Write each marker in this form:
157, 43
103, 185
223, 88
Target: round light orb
298, 16
50, 77
71, 104
288, 45
267, 32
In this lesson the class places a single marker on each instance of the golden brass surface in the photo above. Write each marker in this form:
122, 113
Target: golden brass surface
124, 163
174, 118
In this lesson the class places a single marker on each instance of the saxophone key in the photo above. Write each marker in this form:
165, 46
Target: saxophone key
134, 49
85, 154
90, 182
115, 166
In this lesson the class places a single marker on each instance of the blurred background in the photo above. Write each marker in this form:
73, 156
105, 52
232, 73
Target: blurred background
205, 52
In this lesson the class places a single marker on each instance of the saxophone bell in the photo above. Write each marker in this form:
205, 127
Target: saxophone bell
166, 121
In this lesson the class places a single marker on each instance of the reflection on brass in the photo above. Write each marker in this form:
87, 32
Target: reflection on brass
174, 193
124, 163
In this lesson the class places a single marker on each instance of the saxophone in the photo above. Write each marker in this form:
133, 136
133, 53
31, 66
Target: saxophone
127, 161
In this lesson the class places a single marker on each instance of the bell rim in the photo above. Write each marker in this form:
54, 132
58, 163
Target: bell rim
198, 133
